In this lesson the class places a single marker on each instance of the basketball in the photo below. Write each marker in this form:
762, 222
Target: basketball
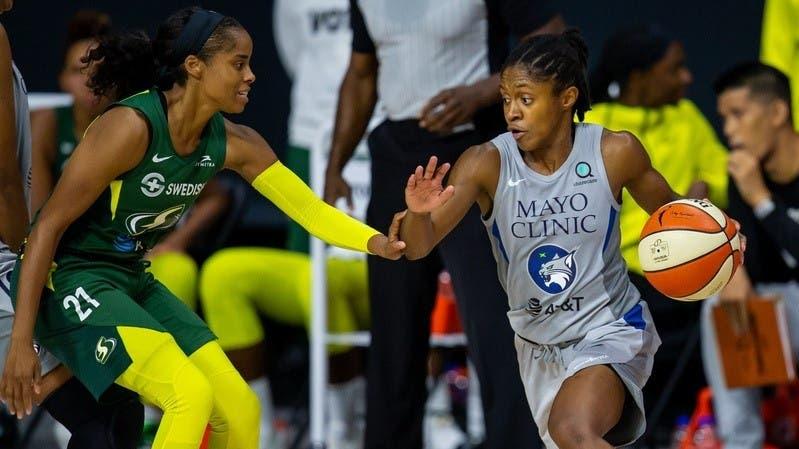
689, 249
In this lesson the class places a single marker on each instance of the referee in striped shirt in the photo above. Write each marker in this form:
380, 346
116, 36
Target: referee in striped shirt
434, 65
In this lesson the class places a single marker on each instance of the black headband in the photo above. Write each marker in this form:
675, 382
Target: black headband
196, 32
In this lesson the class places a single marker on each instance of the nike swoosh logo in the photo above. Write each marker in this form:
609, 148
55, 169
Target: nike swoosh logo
157, 159
512, 183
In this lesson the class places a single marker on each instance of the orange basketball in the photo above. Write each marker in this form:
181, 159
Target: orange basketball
689, 249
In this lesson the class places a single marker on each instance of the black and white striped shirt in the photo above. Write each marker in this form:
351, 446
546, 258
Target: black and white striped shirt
424, 46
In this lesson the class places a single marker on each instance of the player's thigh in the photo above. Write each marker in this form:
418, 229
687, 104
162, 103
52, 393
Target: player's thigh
592, 400
81, 328
178, 273
189, 331
275, 282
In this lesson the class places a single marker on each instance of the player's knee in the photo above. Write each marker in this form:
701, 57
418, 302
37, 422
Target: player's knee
249, 406
211, 273
193, 393
570, 433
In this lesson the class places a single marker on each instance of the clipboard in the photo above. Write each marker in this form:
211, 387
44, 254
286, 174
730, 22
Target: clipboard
753, 342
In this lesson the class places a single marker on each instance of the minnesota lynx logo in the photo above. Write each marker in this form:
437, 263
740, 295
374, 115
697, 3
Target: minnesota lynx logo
552, 268
105, 346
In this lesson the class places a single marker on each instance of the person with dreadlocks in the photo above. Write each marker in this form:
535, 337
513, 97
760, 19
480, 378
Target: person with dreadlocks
139, 167
549, 191
639, 85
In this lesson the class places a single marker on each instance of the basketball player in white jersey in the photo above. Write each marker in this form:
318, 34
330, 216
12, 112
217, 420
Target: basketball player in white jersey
548, 191
15, 183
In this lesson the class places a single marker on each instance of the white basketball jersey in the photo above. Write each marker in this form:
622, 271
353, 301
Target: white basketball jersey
556, 241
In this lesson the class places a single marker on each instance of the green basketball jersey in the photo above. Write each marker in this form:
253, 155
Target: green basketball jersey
65, 139
144, 204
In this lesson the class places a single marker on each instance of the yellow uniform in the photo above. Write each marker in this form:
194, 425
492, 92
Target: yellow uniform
238, 283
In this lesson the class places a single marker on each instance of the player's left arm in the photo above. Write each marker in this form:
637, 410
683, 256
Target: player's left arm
250, 156
628, 166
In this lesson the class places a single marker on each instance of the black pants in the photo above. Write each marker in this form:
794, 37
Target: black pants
402, 294
115, 422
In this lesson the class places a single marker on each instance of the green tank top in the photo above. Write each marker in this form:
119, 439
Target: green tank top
65, 139
144, 204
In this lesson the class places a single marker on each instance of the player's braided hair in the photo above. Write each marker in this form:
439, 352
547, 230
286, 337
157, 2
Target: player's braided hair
130, 62
562, 58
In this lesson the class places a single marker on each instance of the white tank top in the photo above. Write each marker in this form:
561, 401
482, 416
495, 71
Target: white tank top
556, 241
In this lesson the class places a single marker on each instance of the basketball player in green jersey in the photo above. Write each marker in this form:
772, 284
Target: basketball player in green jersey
57, 131
139, 167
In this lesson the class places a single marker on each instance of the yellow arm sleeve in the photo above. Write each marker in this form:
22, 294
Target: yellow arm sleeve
287, 191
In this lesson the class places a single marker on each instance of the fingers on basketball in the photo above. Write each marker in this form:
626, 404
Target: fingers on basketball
689, 249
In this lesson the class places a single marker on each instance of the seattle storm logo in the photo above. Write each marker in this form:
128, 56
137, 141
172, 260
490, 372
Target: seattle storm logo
552, 268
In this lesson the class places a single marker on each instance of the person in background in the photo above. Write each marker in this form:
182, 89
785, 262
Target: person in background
754, 102
56, 131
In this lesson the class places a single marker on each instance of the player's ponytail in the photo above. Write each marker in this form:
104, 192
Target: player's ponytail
121, 65
577, 43
130, 62
562, 58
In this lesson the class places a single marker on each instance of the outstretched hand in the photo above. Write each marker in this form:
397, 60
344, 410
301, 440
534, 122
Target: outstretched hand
424, 192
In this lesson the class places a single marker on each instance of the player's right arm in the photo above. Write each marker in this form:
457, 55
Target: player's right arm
43, 139
113, 145
433, 211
